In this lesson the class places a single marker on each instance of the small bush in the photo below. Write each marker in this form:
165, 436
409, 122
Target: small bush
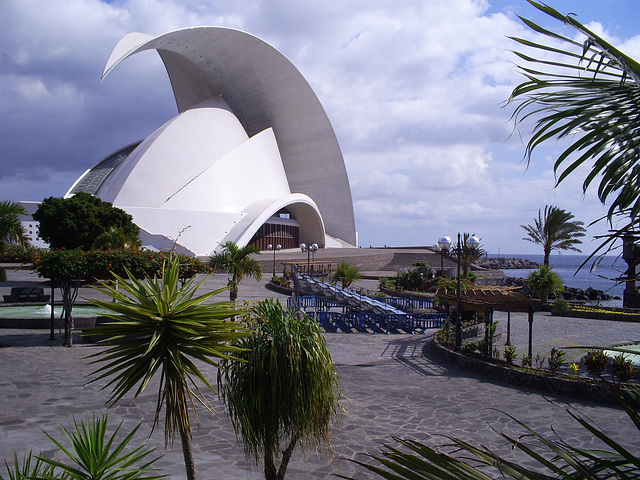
445, 335
573, 368
561, 304
510, 354
539, 361
595, 362
556, 359
386, 282
471, 347
525, 361
281, 281
622, 369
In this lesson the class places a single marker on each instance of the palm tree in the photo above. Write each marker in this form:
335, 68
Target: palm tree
469, 255
345, 274
555, 230
160, 327
237, 262
589, 92
10, 227
116, 238
543, 282
287, 389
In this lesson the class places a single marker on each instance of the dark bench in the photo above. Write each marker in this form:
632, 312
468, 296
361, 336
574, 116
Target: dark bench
26, 294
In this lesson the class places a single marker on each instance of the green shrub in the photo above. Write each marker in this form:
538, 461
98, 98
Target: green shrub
556, 359
622, 369
15, 252
595, 362
281, 281
510, 354
471, 347
445, 335
561, 304
538, 360
386, 282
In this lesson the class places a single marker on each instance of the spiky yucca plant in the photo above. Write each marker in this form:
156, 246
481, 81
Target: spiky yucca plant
28, 469
159, 327
96, 456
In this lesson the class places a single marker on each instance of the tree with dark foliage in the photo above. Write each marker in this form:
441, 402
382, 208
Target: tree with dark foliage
76, 222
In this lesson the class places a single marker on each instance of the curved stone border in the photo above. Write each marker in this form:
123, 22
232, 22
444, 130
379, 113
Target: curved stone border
279, 288
583, 389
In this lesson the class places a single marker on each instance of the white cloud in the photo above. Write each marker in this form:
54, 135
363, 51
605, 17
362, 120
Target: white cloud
414, 90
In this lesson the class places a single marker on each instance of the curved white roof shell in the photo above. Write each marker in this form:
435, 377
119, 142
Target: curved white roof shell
251, 138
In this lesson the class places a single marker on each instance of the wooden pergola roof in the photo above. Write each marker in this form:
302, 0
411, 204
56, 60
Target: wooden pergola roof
481, 298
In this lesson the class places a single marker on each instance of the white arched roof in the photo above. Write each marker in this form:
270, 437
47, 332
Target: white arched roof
263, 90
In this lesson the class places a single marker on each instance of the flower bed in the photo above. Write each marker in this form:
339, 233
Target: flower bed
596, 313
544, 381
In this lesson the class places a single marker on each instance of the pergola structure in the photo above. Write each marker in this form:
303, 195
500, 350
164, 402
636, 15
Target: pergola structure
486, 300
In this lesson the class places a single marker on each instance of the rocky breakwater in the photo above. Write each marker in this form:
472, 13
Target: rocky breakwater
506, 264
569, 293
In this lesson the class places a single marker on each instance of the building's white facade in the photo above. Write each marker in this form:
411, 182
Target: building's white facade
251, 146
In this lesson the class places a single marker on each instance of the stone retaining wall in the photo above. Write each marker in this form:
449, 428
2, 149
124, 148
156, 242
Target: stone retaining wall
583, 389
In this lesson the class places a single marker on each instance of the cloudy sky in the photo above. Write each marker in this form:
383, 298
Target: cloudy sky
414, 90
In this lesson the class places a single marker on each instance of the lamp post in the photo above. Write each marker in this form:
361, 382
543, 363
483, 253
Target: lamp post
278, 247
309, 248
436, 248
445, 244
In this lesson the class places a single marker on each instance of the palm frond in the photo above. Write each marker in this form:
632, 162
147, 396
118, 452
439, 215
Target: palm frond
589, 92
555, 458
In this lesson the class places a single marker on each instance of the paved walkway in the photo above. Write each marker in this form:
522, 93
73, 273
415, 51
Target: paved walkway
390, 389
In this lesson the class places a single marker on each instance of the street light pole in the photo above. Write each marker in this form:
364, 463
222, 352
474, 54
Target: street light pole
270, 247
459, 307
309, 248
436, 248
445, 243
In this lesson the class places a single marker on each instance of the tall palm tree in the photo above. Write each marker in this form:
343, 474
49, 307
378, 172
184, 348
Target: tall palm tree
237, 262
10, 227
286, 392
161, 328
554, 230
589, 92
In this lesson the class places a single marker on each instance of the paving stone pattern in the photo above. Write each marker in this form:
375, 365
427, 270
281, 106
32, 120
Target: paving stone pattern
390, 389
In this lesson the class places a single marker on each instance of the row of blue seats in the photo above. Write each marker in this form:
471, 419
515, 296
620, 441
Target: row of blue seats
347, 322
409, 303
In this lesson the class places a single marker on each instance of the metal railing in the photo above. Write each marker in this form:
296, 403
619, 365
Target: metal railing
376, 323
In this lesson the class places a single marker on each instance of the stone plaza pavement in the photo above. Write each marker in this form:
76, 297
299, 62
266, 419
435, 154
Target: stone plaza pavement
390, 389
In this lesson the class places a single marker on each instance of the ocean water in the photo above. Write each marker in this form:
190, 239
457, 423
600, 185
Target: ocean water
566, 266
